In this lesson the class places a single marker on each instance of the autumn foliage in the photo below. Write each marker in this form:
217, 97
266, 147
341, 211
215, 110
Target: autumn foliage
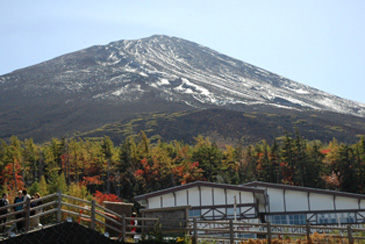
139, 166
101, 197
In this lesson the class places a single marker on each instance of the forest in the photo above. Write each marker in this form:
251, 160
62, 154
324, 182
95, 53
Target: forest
101, 170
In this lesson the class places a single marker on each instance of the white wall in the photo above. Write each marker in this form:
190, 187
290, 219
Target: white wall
321, 202
230, 196
246, 197
154, 202
194, 197
362, 204
276, 200
168, 200
219, 196
181, 198
346, 203
206, 196
296, 200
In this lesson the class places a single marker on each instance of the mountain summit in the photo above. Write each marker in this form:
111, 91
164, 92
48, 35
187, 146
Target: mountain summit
103, 84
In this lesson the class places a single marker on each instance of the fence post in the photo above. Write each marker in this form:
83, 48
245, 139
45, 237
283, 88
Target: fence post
231, 235
143, 226
308, 230
195, 233
27, 214
349, 233
124, 228
59, 205
268, 227
93, 214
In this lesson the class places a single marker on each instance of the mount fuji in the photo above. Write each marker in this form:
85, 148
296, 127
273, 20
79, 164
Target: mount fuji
84, 90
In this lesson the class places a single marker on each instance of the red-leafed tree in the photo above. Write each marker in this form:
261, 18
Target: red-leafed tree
188, 172
100, 197
11, 177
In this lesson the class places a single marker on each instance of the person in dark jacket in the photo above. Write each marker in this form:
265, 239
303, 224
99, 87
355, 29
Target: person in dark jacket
19, 198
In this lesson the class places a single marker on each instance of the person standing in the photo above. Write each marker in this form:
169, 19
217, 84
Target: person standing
19, 198
26, 196
34, 222
4, 202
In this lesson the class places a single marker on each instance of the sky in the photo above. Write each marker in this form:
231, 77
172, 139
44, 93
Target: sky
317, 43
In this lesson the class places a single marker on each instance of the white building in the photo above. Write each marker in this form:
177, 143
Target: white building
277, 203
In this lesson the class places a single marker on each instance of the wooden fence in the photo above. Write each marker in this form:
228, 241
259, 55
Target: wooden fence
93, 215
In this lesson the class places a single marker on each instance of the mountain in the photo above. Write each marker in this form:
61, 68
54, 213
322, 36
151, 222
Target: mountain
84, 90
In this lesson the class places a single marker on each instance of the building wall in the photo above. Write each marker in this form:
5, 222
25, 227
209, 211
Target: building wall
346, 203
202, 196
321, 202
285, 200
194, 196
362, 204
283, 205
181, 198
154, 202
276, 200
296, 201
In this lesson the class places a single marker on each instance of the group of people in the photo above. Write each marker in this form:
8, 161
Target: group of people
22, 196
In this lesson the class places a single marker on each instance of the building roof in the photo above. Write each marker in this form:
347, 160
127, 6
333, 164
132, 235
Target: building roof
263, 185
199, 183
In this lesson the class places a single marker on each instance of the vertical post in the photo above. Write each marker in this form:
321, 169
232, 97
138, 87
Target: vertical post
268, 227
124, 227
59, 205
93, 215
27, 214
231, 236
195, 233
349, 233
143, 226
308, 230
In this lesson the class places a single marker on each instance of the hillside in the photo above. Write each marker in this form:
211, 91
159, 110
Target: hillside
87, 89
232, 127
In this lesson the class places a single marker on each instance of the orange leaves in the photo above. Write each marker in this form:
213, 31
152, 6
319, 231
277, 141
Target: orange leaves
325, 151
188, 172
332, 181
100, 197
139, 173
92, 180
11, 177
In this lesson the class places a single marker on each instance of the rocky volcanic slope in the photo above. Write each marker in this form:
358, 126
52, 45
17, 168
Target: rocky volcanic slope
103, 84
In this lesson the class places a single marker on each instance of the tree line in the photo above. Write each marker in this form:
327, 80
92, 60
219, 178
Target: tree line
84, 167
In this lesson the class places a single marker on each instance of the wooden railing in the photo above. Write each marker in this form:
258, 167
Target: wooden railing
94, 216
232, 232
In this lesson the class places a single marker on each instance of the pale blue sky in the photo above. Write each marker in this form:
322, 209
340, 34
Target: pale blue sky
320, 43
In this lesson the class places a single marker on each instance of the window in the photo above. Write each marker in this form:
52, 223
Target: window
194, 212
230, 212
327, 218
346, 218
289, 219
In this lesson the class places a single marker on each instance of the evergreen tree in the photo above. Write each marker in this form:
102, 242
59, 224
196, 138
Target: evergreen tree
57, 183
314, 167
345, 166
209, 157
107, 149
43, 186
275, 161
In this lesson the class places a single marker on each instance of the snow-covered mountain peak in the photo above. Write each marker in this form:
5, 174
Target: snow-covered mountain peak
173, 69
